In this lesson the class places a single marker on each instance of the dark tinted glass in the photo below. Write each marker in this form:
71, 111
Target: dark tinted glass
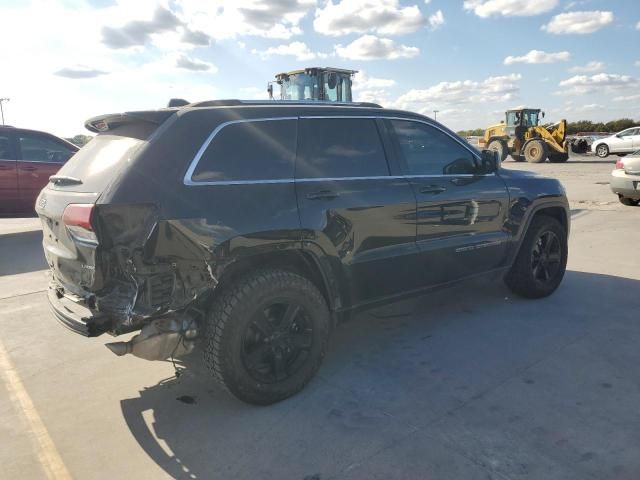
41, 149
428, 151
340, 147
5, 151
262, 150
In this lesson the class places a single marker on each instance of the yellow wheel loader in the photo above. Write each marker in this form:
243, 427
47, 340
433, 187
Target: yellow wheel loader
522, 137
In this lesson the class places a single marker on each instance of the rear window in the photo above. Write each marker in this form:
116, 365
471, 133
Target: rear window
340, 148
252, 150
99, 162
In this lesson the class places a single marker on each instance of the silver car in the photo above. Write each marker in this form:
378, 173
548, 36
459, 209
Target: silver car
626, 141
625, 179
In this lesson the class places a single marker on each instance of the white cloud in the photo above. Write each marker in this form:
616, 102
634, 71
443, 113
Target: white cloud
578, 22
299, 50
583, 84
436, 20
637, 63
638, 26
371, 89
509, 8
370, 47
492, 89
194, 64
79, 72
265, 18
538, 56
627, 98
386, 17
590, 67
362, 81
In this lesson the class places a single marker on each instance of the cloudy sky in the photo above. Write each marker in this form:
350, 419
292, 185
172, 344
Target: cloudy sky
65, 61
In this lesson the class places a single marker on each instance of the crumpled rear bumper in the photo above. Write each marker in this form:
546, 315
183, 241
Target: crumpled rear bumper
71, 313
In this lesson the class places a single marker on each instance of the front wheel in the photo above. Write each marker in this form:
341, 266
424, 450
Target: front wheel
541, 261
535, 151
602, 150
266, 336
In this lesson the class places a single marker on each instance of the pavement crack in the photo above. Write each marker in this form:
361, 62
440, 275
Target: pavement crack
23, 294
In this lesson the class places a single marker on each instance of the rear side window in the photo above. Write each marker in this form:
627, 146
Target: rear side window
340, 148
253, 150
36, 148
5, 148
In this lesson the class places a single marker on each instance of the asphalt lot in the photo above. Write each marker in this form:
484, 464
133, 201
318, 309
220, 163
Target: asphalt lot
461, 384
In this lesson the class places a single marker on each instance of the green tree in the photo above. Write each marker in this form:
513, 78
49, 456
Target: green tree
80, 140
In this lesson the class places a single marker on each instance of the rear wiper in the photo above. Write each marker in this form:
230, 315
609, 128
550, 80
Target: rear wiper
64, 180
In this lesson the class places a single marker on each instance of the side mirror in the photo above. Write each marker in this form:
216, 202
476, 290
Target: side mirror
489, 161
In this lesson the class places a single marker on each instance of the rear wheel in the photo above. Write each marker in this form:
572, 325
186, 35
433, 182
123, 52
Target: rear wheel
602, 150
629, 202
266, 336
535, 151
499, 146
541, 261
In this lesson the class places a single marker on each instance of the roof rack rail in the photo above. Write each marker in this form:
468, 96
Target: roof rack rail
236, 102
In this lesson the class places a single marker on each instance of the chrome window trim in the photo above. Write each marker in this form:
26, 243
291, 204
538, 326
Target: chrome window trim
188, 176
188, 181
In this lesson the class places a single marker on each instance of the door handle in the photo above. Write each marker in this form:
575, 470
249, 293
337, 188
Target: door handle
433, 189
28, 168
322, 195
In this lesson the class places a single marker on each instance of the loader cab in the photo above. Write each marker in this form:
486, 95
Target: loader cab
519, 121
314, 84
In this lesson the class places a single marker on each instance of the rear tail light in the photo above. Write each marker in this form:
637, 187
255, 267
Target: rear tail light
77, 218
619, 164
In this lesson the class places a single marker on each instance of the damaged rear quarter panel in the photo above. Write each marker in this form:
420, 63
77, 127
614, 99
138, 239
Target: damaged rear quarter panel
170, 243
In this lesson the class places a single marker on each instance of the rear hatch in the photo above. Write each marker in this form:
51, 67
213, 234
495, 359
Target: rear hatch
67, 205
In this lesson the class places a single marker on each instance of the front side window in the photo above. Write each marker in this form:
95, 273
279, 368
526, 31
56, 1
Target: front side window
629, 133
340, 148
426, 150
251, 150
41, 149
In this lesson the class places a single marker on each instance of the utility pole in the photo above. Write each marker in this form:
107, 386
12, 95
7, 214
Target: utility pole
435, 114
1, 110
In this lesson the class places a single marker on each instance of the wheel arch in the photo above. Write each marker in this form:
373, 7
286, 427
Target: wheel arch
554, 210
299, 261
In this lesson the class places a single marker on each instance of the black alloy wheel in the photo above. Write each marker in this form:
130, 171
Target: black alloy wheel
546, 256
277, 341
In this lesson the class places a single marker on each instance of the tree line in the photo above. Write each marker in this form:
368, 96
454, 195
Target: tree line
574, 127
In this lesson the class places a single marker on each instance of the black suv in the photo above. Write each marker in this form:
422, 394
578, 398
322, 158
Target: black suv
248, 229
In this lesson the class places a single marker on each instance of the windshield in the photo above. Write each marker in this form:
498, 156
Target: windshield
299, 87
525, 118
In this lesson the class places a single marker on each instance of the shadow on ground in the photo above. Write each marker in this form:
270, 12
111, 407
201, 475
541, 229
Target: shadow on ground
465, 383
21, 252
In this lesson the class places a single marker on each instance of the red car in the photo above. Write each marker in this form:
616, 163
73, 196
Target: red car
27, 159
